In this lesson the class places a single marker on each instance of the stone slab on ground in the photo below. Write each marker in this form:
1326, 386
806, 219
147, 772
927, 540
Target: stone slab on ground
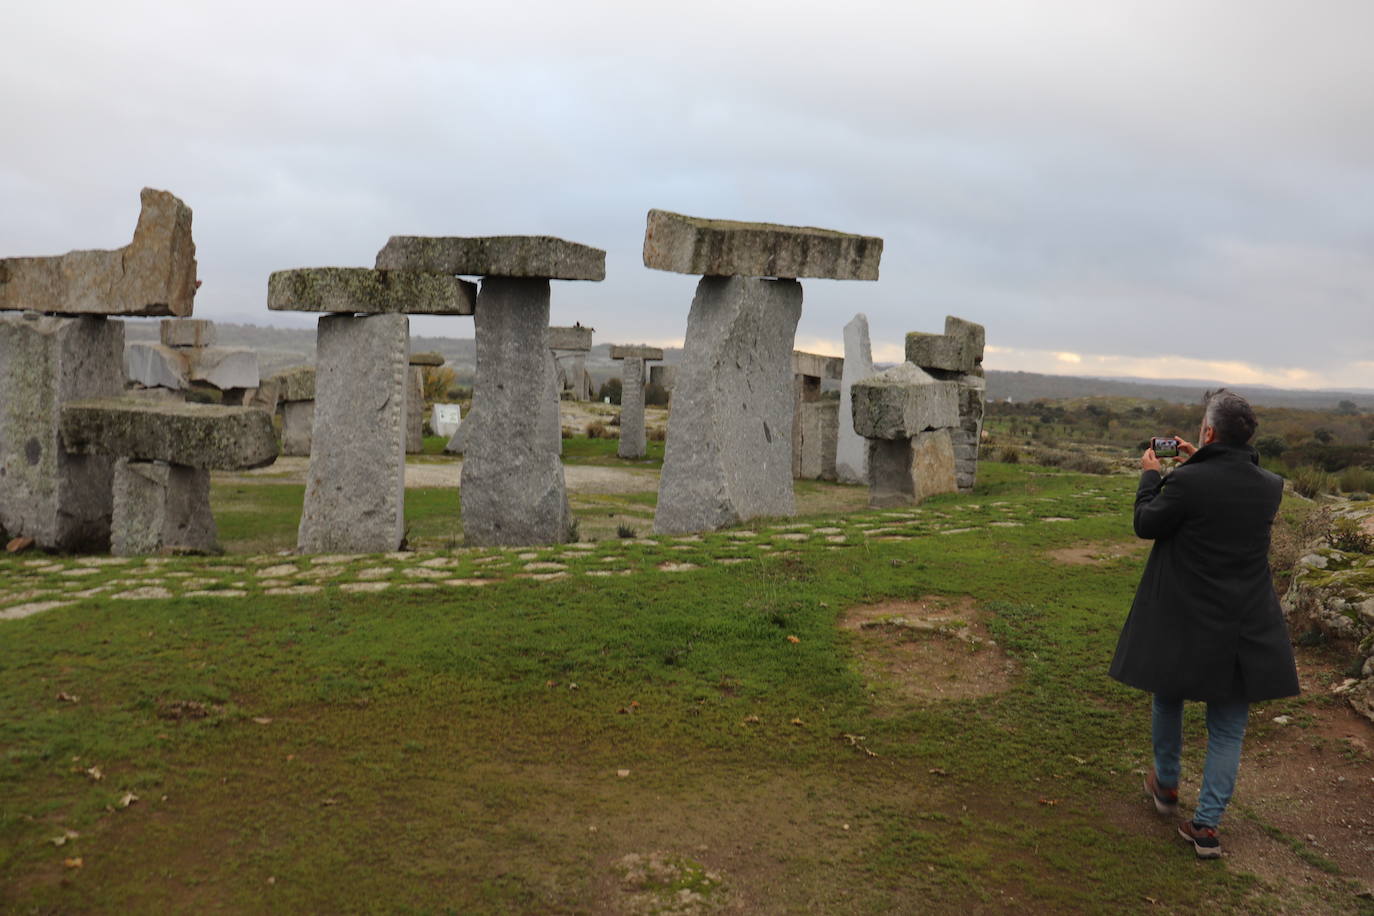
725, 248
529, 256
903, 401
729, 454
187, 332
512, 489
355, 488
633, 352
61, 500
360, 290
851, 449
161, 508
155, 274
208, 436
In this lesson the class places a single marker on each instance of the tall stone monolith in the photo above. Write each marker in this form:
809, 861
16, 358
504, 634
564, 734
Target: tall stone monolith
851, 449
633, 443
729, 451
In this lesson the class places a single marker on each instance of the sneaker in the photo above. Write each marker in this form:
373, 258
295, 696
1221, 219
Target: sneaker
1204, 839
1166, 800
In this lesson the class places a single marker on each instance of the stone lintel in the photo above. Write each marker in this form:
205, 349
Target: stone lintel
360, 290
903, 401
632, 352
155, 274
187, 332
816, 365
427, 359
938, 351
726, 248
207, 436
576, 337
529, 256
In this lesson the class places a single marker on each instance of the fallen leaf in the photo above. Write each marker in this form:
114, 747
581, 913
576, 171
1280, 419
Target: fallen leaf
798, 722
20, 543
634, 704
127, 799
550, 683
572, 686
793, 639
1049, 802
263, 720
272, 879
1078, 760
329, 802
73, 862
65, 697
622, 773
95, 774
937, 771
751, 720
67, 834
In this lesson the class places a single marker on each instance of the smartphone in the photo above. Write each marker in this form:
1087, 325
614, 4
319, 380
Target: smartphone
1164, 446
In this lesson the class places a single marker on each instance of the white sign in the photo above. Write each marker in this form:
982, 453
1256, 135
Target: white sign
446, 419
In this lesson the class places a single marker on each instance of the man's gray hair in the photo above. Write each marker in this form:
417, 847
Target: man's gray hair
1230, 415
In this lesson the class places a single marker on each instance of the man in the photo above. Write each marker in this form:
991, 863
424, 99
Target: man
1206, 624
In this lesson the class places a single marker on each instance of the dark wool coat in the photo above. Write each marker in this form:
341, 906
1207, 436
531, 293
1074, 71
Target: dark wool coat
1205, 623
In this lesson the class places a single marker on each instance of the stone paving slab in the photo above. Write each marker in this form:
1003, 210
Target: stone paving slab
359, 290
208, 436
726, 248
155, 274
528, 256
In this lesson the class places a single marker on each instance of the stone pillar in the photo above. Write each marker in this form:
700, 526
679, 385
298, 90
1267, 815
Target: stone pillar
512, 488
61, 500
957, 355
813, 431
294, 390
415, 411
632, 438
297, 427
907, 415
851, 449
550, 415
161, 508
729, 450
570, 346
355, 490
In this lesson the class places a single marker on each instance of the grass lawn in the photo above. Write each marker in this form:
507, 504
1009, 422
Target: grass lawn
527, 744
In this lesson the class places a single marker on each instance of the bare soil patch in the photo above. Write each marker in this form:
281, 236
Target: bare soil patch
933, 648
1097, 553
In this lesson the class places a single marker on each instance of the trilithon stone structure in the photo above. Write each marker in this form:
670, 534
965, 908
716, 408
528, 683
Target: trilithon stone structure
907, 417
186, 357
957, 355
570, 346
729, 449
851, 449
632, 438
355, 489
512, 488
415, 399
163, 454
65, 347
815, 421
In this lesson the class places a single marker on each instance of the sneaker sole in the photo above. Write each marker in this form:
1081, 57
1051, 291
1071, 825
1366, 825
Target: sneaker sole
1163, 808
1203, 852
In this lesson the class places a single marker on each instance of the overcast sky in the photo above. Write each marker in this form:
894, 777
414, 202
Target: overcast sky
1162, 188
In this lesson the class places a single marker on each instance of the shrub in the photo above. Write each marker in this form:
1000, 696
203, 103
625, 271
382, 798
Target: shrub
1349, 535
609, 389
655, 396
1310, 482
1085, 463
598, 430
1357, 480
1011, 455
1270, 446
655, 434
625, 531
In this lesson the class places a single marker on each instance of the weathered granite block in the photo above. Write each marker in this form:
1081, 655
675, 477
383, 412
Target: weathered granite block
297, 427
431, 360
724, 248
195, 435
550, 415
972, 338
630, 352
632, 439
663, 376
901, 402
967, 436
729, 448
819, 423
851, 449
351, 290
904, 472
528, 256
157, 366
266, 396
814, 365
155, 274
939, 351
187, 332
512, 489
355, 489
62, 501
224, 367
161, 508
570, 369
811, 457
415, 411
296, 384
576, 337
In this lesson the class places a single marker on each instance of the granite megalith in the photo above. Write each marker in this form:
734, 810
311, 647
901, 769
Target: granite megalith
851, 449
907, 416
633, 443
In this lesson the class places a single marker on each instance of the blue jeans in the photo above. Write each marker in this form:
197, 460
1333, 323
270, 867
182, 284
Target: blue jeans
1225, 733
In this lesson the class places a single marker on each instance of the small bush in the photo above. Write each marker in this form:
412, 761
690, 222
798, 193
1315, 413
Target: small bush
1357, 480
625, 531
655, 434
1011, 455
598, 430
1310, 482
1085, 463
1348, 535
609, 389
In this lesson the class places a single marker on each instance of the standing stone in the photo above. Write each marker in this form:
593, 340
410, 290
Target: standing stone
550, 412
813, 436
633, 442
851, 449
512, 487
355, 490
415, 411
905, 471
957, 355
570, 346
729, 451
907, 415
62, 501
161, 508
297, 428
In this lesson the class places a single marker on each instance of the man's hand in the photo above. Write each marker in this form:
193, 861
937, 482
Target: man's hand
1148, 461
1186, 449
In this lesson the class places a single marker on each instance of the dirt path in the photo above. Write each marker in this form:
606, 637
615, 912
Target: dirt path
430, 473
